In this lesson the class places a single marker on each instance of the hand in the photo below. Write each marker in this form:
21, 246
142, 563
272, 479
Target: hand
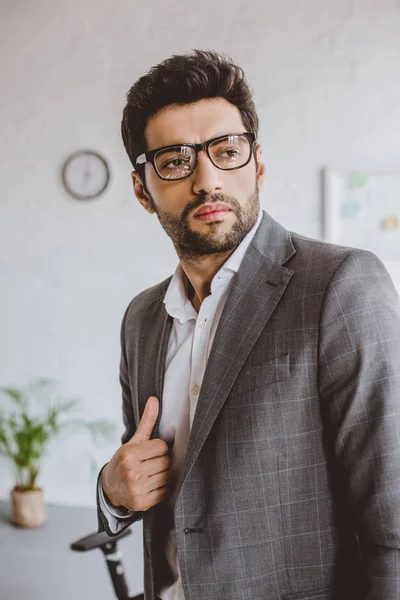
139, 476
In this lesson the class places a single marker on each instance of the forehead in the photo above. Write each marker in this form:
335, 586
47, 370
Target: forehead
196, 122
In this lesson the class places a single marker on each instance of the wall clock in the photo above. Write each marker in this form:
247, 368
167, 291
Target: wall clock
85, 175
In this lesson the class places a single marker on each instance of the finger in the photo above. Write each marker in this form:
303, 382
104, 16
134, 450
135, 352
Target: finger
161, 494
160, 480
156, 496
156, 465
148, 420
145, 451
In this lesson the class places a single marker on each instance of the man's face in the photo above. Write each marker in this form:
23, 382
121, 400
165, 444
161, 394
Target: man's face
176, 202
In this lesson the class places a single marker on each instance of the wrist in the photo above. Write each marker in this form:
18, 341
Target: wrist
105, 486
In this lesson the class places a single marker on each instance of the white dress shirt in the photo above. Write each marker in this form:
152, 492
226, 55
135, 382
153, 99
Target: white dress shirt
189, 346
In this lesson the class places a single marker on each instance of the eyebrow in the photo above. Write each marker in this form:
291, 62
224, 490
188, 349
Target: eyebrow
180, 143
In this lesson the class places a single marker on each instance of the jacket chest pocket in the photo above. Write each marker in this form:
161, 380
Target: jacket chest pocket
259, 375
254, 408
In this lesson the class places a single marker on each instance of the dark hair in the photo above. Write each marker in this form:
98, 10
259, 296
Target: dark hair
183, 79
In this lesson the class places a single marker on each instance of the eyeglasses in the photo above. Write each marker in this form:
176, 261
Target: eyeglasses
227, 152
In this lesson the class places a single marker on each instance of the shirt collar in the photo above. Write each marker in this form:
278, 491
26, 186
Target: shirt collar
177, 303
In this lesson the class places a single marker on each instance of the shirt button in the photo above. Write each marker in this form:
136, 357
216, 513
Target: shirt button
195, 390
202, 324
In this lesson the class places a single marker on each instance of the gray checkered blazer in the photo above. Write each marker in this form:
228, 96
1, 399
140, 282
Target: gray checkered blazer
291, 485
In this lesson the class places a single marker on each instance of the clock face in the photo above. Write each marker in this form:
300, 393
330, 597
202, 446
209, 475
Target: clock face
85, 175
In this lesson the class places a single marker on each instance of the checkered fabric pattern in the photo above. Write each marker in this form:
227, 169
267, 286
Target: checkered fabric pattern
291, 485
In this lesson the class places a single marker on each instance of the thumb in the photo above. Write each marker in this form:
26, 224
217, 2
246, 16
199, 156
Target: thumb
148, 420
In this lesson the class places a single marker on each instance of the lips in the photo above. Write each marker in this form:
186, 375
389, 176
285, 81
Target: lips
210, 208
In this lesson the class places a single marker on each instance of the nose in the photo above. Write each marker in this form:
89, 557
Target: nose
206, 177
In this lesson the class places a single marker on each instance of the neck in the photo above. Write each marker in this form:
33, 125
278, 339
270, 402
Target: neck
199, 274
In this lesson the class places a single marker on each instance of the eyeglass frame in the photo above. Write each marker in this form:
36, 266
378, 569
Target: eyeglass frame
149, 156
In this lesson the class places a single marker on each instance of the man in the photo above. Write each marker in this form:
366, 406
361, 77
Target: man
260, 383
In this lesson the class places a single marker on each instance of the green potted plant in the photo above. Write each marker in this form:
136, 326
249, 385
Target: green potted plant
37, 416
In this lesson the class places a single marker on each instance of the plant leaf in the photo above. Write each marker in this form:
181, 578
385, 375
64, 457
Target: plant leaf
25, 434
14, 394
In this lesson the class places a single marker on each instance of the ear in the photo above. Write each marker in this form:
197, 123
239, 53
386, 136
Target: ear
260, 166
141, 193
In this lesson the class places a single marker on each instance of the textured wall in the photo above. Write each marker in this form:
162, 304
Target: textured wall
326, 78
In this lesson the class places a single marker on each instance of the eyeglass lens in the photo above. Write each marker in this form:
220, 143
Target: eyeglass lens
230, 152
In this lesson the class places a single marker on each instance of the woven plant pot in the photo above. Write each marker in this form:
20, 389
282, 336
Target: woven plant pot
28, 508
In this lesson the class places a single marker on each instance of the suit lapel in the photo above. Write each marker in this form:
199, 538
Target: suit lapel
255, 292
153, 348
152, 352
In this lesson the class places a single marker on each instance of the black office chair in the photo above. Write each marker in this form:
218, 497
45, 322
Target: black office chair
108, 545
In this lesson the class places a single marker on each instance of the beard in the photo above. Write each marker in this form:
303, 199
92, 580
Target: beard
193, 245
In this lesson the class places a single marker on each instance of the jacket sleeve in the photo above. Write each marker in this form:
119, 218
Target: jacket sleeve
114, 520
359, 383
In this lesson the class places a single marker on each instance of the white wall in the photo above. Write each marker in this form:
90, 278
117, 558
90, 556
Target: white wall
327, 85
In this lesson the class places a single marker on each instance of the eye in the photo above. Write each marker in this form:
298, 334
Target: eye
175, 163
174, 160
226, 152
230, 153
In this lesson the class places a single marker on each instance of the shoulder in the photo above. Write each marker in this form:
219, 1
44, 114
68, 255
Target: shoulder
334, 260
328, 271
307, 247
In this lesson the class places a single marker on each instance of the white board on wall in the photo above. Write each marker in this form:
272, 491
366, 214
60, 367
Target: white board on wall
362, 209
